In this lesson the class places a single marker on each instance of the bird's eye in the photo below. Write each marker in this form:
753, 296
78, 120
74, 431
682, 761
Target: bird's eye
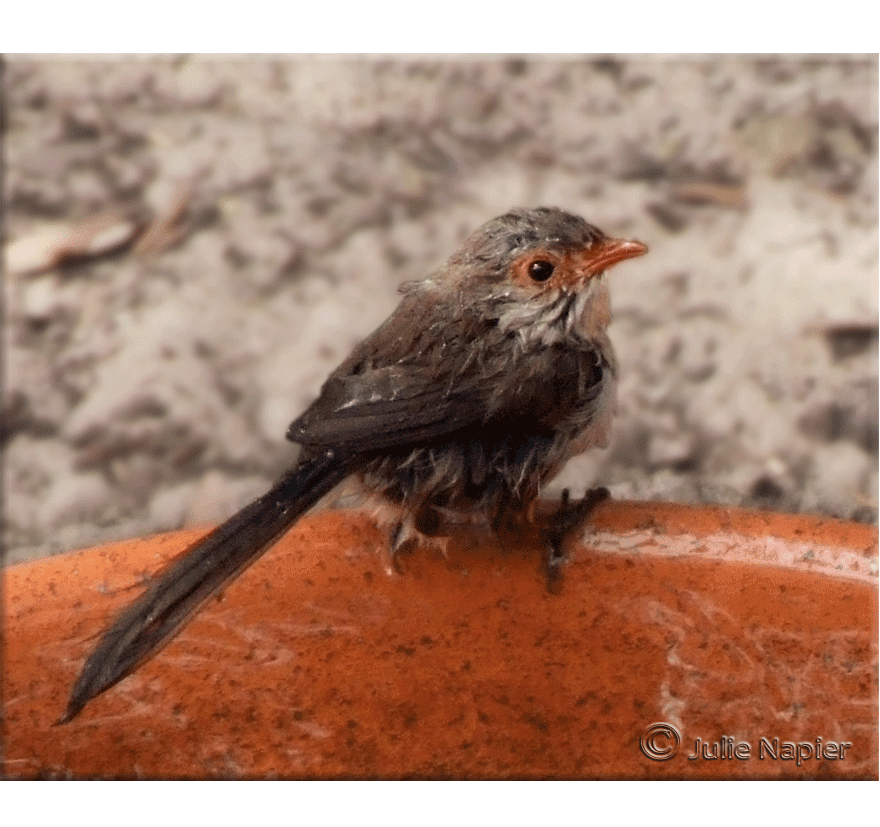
541, 270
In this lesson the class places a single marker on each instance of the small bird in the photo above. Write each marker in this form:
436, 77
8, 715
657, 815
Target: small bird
491, 373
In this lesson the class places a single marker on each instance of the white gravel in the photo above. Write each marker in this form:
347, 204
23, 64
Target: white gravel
145, 390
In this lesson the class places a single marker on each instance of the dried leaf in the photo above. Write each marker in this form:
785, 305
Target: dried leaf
61, 244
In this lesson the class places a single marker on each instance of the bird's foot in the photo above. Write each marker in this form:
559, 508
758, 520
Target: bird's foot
569, 516
405, 537
399, 540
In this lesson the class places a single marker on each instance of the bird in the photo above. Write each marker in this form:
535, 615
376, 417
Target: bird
489, 376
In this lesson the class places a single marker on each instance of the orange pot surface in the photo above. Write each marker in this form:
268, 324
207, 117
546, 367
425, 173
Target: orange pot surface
753, 635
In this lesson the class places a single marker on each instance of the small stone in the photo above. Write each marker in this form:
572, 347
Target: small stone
199, 82
211, 501
40, 299
76, 498
839, 479
168, 508
671, 450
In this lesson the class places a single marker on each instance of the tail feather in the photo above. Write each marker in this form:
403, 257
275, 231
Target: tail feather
152, 620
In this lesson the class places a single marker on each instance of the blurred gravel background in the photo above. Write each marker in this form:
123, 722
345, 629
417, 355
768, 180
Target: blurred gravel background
192, 244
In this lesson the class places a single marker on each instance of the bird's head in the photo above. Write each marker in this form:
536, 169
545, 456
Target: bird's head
540, 271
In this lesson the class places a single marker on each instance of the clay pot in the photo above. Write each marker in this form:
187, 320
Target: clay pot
752, 632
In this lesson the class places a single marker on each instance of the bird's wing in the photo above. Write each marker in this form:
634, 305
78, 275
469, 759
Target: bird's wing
402, 404
413, 380
387, 407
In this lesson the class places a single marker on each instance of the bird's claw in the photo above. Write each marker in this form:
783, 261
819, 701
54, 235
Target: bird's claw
569, 516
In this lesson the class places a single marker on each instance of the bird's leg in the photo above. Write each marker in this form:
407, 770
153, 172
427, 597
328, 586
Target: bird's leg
398, 538
423, 527
569, 516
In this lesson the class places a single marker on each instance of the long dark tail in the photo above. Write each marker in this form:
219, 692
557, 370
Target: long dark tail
152, 620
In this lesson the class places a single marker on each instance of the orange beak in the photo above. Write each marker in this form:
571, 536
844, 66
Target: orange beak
610, 252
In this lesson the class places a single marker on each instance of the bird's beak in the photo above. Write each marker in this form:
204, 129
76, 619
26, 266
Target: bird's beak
610, 252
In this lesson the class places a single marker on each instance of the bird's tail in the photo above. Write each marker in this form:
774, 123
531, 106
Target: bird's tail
176, 594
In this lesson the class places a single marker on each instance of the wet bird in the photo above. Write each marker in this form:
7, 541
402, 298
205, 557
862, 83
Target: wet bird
491, 373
